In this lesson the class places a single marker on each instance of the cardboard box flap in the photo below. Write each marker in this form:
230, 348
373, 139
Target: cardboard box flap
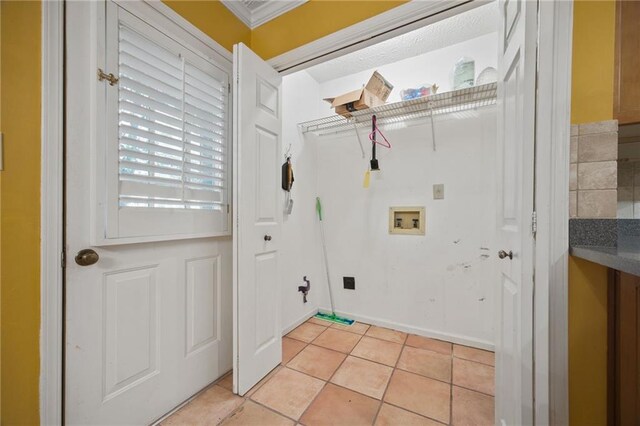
375, 93
379, 86
346, 98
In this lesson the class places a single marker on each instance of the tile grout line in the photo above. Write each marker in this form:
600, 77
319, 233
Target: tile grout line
399, 369
477, 362
319, 347
273, 410
417, 414
326, 382
473, 390
249, 398
393, 371
329, 380
402, 369
404, 408
404, 345
451, 388
300, 340
395, 368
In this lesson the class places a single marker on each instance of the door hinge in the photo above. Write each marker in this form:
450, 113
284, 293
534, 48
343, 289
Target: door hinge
112, 79
229, 84
534, 222
63, 258
227, 208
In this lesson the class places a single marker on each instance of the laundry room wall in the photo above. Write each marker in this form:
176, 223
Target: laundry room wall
300, 233
440, 284
433, 67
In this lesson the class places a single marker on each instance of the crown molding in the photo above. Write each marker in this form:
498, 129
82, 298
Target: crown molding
264, 13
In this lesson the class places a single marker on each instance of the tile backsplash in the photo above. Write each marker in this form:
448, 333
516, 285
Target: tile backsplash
593, 179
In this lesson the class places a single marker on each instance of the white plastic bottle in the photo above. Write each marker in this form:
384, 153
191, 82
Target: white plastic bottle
464, 72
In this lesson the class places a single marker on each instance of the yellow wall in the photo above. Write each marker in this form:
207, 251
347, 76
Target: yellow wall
20, 182
593, 61
311, 21
587, 343
591, 100
19, 188
214, 19
20, 210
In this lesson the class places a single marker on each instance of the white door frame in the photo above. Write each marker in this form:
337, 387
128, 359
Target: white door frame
553, 119
51, 213
551, 188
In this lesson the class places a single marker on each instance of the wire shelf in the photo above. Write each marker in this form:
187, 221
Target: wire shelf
442, 103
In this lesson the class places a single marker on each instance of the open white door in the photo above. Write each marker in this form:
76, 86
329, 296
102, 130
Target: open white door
257, 129
516, 140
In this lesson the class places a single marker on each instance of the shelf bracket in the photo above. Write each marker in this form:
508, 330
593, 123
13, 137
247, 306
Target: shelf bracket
433, 128
355, 128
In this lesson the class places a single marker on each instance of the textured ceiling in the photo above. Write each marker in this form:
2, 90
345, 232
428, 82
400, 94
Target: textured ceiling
471, 24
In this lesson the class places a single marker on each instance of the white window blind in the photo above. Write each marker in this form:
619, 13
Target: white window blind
172, 128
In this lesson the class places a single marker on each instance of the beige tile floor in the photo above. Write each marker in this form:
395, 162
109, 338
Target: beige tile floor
357, 375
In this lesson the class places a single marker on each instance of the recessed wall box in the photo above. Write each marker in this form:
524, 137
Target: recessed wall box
349, 283
407, 220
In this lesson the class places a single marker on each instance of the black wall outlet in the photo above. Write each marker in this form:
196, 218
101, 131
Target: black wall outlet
349, 283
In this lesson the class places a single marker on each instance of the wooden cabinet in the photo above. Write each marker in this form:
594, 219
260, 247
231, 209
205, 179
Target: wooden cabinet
624, 349
626, 102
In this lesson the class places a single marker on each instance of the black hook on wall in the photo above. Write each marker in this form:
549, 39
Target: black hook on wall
305, 288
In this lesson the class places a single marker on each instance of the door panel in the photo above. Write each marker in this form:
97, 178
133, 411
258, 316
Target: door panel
203, 293
266, 176
516, 144
266, 293
131, 328
257, 132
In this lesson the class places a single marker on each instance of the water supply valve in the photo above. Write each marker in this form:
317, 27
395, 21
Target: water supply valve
305, 288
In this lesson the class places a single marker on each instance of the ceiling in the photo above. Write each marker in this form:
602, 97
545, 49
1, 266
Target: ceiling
256, 12
456, 29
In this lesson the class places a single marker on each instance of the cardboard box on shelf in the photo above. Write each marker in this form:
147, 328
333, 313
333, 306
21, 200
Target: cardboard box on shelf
374, 93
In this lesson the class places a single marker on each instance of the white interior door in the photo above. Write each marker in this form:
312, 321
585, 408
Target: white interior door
257, 131
516, 124
148, 324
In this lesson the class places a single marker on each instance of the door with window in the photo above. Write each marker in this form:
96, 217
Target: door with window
148, 246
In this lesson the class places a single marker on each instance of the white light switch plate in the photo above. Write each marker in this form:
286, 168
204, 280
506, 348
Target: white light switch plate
438, 191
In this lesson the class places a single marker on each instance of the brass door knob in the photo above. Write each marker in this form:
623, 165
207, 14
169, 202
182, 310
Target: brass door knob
86, 257
503, 254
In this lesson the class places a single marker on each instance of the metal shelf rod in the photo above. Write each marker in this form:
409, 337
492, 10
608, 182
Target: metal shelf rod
442, 103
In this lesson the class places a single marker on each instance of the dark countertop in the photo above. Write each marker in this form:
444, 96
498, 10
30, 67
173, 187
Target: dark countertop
625, 257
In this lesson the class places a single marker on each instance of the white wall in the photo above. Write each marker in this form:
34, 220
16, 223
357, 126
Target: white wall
300, 245
439, 284
432, 67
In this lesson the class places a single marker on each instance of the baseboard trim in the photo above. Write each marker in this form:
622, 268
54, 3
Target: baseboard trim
449, 337
299, 321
